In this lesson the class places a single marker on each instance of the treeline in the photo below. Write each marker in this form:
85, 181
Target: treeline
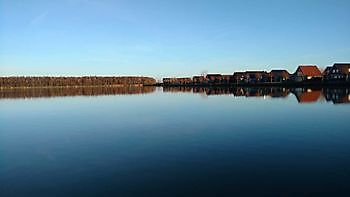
73, 91
74, 81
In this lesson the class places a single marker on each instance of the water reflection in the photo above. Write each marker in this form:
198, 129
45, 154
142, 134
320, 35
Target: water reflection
164, 143
303, 95
73, 91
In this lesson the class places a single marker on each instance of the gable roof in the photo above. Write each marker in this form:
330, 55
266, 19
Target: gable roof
310, 70
283, 73
198, 77
342, 67
238, 73
213, 75
327, 70
342, 64
255, 72
278, 70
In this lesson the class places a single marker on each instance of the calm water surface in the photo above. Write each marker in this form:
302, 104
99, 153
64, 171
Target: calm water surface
175, 142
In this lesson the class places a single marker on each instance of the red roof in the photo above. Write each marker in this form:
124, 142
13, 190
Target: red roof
308, 97
312, 71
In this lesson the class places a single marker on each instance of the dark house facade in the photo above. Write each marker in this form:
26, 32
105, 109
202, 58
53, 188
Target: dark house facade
278, 76
255, 77
238, 77
227, 79
339, 72
214, 78
326, 73
199, 80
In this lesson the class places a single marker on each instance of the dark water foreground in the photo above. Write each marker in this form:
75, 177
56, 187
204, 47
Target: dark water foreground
175, 142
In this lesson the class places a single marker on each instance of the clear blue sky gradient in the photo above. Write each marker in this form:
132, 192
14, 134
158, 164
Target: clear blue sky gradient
170, 38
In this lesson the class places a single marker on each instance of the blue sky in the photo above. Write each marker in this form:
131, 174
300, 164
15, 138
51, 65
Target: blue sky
169, 38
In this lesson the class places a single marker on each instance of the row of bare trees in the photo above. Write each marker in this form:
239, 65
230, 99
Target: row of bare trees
73, 81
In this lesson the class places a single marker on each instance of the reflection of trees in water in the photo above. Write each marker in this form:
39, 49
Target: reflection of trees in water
74, 91
303, 95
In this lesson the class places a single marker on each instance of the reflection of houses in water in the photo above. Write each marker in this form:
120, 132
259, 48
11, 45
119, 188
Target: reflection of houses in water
307, 95
218, 91
177, 89
198, 90
258, 92
303, 95
339, 95
238, 92
279, 92
255, 92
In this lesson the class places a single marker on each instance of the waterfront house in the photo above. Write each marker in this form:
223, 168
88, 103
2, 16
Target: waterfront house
184, 81
326, 73
199, 80
238, 77
278, 76
340, 72
307, 73
227, 79
255, 76
168, 81
214, 78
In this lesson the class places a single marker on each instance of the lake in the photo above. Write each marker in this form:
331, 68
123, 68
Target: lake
175, 141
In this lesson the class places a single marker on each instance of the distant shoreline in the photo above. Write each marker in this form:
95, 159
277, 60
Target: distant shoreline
79, 86
289, 84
